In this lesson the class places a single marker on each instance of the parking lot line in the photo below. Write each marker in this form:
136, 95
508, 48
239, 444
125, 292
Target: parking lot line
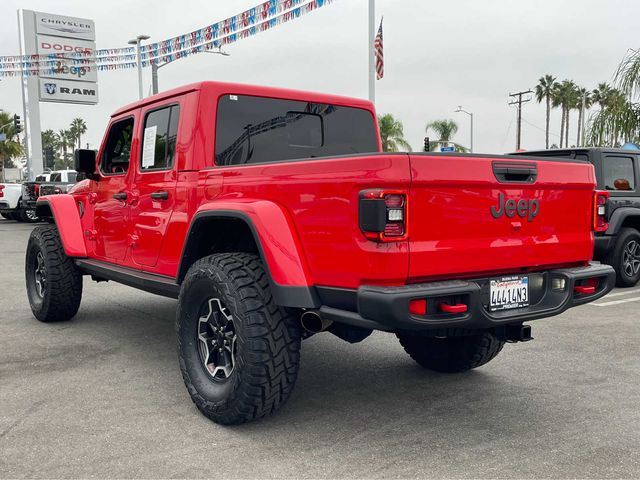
618, 293
615, 302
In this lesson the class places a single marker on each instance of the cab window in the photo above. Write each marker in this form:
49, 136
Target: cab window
159, 139
117, 151
618, 173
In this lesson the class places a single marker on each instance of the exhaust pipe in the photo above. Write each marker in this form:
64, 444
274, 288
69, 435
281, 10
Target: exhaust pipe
313, 322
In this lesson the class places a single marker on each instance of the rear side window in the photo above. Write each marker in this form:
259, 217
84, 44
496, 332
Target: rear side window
55, 177
257, 130
159, 139
618, 173
72, 177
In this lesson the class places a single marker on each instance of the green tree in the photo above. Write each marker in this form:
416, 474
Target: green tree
545, 91
584, 103
78, 128
392, 134
11, 147
65, 140
444, 130
601, 94
565, 96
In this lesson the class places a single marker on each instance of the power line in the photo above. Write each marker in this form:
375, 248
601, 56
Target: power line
519, 103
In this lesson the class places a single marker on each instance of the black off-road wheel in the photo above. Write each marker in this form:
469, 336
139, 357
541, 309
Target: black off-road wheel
625, 258
452, 354
54, 282
28, 215
239, 352
6, 216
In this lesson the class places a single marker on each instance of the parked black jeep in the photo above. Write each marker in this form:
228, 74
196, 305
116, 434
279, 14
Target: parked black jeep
616, 172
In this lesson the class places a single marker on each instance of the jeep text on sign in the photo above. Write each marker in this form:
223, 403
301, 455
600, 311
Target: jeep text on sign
54, 90
67, 69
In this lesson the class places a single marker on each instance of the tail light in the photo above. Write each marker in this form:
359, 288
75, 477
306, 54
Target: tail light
383, 215
600, 201
36, 189
1, 191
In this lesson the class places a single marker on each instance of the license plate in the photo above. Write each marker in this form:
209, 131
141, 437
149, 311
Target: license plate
508, 292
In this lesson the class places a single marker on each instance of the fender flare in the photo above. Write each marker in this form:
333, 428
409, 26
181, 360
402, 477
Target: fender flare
618, 217
64, 211
278, 247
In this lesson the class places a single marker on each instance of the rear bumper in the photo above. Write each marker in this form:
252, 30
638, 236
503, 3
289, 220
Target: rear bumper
387, 308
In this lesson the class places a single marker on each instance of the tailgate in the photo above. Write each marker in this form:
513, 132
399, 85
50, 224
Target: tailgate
472, 215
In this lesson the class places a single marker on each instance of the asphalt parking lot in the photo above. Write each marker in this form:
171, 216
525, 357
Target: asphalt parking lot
102, 396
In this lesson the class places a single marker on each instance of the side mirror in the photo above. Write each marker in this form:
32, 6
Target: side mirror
85, 162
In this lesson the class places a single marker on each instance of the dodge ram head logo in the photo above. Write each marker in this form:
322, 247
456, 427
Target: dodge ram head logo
523, 208
50, 88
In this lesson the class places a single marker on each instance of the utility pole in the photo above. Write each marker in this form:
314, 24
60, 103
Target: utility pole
519, 103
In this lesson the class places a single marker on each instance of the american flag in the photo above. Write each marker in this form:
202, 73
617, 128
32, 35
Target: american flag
379, 54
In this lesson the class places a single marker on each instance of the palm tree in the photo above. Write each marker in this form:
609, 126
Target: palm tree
392, 133
544, 91
11, 147
78, 128
65, 140
49, 145
564, 96
601, 94
584, 103
445, 130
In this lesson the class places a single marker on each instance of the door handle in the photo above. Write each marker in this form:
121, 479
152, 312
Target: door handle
120, 196
160, 195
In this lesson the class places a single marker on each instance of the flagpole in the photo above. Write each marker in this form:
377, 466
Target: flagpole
372, 60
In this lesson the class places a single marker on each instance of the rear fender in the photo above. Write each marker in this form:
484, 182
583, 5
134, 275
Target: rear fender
275, 236
64, 211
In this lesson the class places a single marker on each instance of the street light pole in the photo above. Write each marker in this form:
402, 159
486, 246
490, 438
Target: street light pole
471, 117
136, 41
155, 67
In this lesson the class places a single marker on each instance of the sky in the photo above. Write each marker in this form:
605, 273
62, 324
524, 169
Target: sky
439, 54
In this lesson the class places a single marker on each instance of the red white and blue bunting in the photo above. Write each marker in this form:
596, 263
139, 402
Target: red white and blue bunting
261, 18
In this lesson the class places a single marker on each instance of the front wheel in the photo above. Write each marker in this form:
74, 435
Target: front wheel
6, 216
239, 352
452, 354
54, 282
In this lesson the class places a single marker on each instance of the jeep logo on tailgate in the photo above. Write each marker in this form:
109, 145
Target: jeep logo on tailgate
523, 208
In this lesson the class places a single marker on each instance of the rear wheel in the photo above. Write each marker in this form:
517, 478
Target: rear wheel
28, 215
452, 354
54, 282
625, 258
239, 352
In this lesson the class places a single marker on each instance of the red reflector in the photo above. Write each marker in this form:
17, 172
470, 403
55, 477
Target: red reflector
1, 190
418, 307
458, 308
584, 290
393, 230
393, 200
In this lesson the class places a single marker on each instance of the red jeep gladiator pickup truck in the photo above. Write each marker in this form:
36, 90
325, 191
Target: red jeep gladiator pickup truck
272, 215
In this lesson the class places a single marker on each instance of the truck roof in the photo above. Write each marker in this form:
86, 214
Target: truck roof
244, 89
564, 151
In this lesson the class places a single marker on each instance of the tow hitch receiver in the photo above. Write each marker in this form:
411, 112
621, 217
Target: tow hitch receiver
514, 333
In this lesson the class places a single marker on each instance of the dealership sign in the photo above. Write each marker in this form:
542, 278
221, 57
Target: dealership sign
61, 26
73, 77
53, 90
65, 68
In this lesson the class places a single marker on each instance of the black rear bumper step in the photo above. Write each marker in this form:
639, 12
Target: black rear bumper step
387, 308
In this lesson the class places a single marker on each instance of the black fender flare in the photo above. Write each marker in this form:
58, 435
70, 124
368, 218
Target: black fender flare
284, 295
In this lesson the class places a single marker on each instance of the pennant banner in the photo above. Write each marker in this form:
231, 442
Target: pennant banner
263, 17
